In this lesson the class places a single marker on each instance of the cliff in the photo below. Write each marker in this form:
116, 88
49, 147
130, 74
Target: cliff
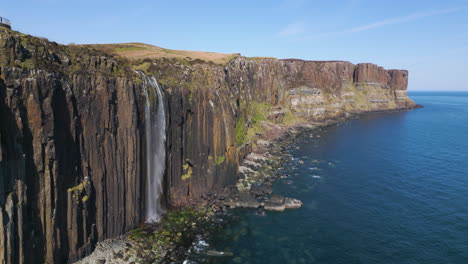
72, 157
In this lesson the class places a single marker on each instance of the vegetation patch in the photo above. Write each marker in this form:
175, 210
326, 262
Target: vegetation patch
168, 241
260, 110
258, 59
78, 188
78, 192
27, 64
29, 52
187, 168
247, 128
144, 67
291, 119
129, 48
241, 131
138, 51
219, 160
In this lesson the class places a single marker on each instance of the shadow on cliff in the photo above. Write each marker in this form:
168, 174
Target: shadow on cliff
67, 133
17, 164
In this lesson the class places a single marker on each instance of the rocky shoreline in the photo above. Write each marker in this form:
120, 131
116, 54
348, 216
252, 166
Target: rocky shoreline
258, 170
182, 231
73, 141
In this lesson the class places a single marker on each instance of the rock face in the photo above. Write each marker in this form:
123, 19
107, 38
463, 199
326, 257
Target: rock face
70, 153
72, 137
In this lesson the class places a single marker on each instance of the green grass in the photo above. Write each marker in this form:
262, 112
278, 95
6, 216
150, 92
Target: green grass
241, 131
27, 64
226, 61
129, 48
258, 113
258, 59
291, 119
169, 51
144, 66
219, 160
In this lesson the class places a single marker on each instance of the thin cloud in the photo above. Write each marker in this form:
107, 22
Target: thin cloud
383, 23
401, 20
293, 29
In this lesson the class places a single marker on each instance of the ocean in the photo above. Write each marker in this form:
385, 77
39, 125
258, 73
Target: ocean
384, 188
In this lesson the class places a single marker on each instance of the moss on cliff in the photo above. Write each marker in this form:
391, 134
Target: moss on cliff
79, 192
142, 66
29, 52
241, 131
250, 124
291, 119
219, 160
187, 171
178, 229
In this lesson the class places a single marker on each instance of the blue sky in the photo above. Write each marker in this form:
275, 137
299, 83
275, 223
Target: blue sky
429, 38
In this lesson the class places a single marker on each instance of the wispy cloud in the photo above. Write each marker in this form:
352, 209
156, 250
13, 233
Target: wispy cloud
383, 23
293, 29
401, 20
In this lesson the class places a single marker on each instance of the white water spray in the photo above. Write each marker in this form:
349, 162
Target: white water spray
155, 128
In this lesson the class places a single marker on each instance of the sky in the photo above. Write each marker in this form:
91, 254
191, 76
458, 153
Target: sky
428, 38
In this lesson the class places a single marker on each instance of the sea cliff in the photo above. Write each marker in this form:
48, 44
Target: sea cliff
72, 152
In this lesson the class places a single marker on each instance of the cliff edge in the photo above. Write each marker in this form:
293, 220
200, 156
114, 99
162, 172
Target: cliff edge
72, 158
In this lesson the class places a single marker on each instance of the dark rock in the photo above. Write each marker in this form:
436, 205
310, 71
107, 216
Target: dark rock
119, 255
267, 189
275, 203
276, 199
280, 203
276, 116
247, 201
272, 206
261, 212
257, 190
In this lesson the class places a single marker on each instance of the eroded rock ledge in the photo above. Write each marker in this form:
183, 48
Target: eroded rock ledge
72, 137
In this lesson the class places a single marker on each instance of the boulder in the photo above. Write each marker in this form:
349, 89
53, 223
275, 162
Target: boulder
291, 203
267, 189
247, 201
257, 190
271, 206
280, 203
275, 203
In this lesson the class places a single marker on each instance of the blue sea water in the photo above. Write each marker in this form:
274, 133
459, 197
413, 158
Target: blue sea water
385, 188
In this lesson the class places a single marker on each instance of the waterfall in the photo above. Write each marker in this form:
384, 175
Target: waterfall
155, 130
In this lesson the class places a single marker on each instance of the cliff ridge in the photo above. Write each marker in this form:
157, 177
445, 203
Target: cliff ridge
72, 131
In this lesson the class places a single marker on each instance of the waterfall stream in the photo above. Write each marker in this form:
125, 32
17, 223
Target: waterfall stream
155, 130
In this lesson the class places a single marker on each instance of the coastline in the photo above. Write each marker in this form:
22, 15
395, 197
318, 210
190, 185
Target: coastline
182, 230
257, 170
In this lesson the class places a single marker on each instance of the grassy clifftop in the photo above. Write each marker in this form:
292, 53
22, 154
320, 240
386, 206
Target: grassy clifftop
28, 52
139, 51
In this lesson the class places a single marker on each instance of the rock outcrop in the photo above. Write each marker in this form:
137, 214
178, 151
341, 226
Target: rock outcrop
72, 133
70, 151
